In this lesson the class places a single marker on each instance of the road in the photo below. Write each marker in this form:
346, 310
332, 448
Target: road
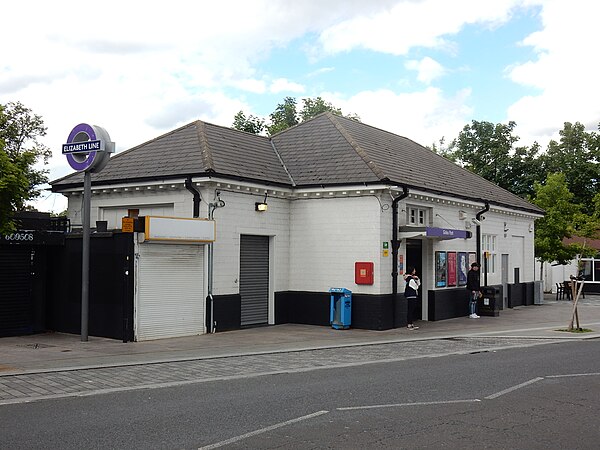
541, 396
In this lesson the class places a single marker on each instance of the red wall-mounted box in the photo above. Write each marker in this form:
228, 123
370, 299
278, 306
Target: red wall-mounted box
363, 272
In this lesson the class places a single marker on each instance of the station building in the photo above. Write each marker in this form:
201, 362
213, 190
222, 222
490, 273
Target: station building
331, 202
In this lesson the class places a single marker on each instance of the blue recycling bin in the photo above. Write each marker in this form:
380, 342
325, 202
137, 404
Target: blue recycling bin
340, 309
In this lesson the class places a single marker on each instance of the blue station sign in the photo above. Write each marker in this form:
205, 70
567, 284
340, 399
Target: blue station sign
447, 233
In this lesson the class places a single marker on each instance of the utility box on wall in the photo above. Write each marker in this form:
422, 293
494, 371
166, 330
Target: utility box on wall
363, 273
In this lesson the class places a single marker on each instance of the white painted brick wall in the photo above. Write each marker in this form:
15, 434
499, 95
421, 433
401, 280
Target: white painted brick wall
239, 217
315, 242
328, 236
181, 201
444, 215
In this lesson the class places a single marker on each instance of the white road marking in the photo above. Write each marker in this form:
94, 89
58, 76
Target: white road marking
574, 375
514, 388
396, 405
262, 430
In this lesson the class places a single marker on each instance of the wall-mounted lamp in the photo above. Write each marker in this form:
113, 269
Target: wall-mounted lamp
462, 215
261, 206
506, 227
531, 228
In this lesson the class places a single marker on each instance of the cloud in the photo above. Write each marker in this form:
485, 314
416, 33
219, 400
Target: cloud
320, 71
564, 72
427, 69
250, 85
284, 85
408, 24
142, 71
423, 116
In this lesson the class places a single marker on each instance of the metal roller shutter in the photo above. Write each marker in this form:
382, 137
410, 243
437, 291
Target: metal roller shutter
254, 279
171, 297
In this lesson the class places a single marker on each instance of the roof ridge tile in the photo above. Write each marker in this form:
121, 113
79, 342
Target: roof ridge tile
357, 148
205, 153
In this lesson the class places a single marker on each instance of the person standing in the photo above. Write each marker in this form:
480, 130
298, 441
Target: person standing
474, 288
411, 292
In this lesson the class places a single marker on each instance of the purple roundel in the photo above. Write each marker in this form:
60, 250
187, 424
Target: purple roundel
90, 157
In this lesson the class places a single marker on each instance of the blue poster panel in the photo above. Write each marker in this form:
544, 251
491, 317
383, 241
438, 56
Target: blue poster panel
440, 269
462, 268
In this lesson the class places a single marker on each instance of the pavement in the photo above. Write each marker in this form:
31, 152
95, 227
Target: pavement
54, 352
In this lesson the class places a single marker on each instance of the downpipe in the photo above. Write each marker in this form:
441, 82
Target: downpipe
478, 216
190, 187
217, 203
395, 241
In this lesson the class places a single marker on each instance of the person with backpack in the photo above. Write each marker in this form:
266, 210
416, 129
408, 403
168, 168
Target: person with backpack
411, 292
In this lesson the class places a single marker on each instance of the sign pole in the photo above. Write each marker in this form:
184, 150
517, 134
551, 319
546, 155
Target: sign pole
85, 263
88, 149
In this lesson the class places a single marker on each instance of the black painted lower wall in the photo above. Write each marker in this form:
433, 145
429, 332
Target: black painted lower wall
369, 312
227, 310
451, 303
515, 295
592, 288
521, 294
447, 304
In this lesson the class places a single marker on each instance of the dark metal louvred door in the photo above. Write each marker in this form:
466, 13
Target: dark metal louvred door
15, 291
254, 279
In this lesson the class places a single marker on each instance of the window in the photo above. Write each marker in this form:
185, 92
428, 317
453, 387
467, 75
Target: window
417, 216
488, 244
589, 268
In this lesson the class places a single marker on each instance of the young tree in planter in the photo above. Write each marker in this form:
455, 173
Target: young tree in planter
585, 227
556, 200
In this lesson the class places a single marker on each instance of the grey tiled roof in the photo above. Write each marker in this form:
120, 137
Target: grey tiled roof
403, 161
198, 148
316, 153
326, 150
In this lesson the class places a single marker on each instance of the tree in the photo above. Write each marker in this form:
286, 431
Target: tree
489, 150
555, 198
577, 156
20, 151
443, 149
484, 148
524, 169
250, 124
286, 115
312, 107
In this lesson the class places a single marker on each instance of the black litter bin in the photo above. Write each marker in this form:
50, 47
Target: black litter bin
489, 303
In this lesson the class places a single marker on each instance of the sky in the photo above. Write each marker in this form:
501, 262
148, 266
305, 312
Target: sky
422, 69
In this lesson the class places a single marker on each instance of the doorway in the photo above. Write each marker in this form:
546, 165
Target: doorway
254, 279
414, 258
504, 280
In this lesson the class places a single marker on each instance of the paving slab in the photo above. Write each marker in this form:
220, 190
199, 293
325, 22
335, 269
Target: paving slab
59, 351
